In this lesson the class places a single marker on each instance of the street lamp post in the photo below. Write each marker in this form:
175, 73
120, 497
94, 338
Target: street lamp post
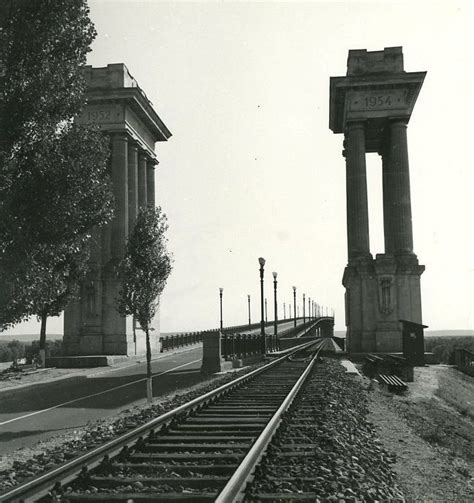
294, 304
310, 314
220, 299
250, 321
261, 261
266, 312
284, 311
304, 304
275, 307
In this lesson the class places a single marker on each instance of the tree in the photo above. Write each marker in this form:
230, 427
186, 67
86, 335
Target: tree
144, 271
59, 194
43, 46
54, 185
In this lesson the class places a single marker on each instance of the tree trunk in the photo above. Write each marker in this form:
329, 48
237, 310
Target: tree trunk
134, 326
149, 386
42, 341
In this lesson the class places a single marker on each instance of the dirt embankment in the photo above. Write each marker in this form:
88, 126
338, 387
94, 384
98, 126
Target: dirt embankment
430, 429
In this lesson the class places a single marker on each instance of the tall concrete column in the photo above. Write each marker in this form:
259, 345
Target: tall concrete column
142, 180
150, 183
120, 188
132, 185
387, 202
396, 191
356, 187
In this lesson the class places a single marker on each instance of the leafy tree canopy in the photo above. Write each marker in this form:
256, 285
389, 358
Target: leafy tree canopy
145, 267
54, 185
43, 44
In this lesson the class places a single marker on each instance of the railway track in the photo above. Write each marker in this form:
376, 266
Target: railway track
205, 450
290, 469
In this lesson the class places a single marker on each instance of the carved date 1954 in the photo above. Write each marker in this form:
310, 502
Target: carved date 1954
378, 101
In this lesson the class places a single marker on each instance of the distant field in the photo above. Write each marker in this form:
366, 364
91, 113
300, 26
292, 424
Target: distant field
428, 333
27, 337
449, 333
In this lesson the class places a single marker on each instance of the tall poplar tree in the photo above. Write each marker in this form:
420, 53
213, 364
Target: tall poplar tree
144, 271
54, 185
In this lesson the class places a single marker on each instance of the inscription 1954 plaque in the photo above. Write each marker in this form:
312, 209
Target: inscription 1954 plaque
376, 100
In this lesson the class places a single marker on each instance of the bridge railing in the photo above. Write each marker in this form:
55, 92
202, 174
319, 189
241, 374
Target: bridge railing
244, 343
241, 345
304, 329
175, 341
464, 361
253, 326
293, 331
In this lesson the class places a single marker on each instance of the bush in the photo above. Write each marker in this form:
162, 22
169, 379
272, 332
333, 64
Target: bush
443, 346
10, 351
53, 348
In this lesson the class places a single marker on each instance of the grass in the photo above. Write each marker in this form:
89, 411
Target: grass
457, 390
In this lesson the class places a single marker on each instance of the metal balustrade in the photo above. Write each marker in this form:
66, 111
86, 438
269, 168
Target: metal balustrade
238, 346
234, 340
464, 361
176, 341
241, 345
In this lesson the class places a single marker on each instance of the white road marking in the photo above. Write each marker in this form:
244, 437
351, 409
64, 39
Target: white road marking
94, 394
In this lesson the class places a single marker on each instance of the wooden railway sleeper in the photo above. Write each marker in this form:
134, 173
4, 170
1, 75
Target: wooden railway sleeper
129, 451
124, 453
106, 463
84, 475
139, 444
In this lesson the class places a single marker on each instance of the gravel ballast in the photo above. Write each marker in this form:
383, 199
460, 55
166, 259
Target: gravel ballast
326, 449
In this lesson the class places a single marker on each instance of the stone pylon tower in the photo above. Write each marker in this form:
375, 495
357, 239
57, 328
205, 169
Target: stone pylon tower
92, 325
372, 105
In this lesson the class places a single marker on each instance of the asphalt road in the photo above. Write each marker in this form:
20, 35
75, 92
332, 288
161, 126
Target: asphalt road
43, 410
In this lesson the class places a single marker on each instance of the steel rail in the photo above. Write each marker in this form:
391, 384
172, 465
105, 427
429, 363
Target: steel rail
40, 486
235, 487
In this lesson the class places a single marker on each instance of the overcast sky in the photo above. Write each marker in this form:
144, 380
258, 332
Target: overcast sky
252, 168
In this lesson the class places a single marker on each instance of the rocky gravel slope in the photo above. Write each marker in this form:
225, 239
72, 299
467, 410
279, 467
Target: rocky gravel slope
326, 449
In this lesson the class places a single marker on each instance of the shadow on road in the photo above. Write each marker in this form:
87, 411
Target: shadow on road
102, 392
12, 435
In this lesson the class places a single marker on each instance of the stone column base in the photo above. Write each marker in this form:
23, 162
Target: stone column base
379, 293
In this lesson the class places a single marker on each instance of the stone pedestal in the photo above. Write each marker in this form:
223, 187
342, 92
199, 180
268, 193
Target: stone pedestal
212, 361
380, 292
92, 324
372, 105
